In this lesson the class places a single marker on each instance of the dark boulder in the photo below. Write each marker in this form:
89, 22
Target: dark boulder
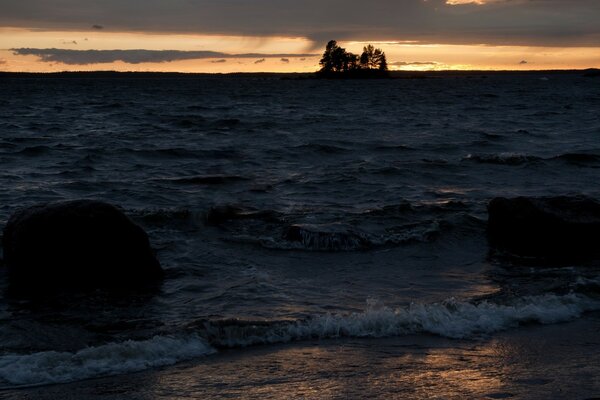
561, 229
77, 244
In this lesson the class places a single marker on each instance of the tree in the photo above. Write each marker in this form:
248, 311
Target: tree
372, 58
351, 62
383, 65
366, 58
337, 59
326, 62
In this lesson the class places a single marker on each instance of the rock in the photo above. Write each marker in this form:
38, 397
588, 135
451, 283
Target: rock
562, 229
77, 244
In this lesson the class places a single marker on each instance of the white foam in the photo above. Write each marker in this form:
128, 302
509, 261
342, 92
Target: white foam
455, 319
451, 318
109, 359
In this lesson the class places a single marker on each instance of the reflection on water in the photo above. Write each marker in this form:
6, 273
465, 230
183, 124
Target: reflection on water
455, 372
531, 363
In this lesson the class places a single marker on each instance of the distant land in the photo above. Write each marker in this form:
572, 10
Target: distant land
591, 72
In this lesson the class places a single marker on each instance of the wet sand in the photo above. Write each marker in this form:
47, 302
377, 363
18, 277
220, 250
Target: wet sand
559, 361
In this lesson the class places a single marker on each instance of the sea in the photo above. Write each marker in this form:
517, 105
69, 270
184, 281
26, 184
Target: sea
321, 239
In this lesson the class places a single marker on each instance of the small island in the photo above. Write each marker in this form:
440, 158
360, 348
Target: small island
339, 63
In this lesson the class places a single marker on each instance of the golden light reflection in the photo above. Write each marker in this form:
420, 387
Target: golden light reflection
406, 367
458, 373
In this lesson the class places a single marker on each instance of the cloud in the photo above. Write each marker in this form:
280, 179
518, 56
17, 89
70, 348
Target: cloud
84, 57
404, 63
502, 22
285, 60
262, 60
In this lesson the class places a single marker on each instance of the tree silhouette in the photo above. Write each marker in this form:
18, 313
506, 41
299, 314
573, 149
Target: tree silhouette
373, 58
383, 65
336, 60
326, 62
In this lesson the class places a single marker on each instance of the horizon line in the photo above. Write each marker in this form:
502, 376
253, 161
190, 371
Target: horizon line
298, 72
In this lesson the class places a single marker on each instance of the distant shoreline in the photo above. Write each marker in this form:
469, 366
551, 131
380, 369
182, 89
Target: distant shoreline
295, 75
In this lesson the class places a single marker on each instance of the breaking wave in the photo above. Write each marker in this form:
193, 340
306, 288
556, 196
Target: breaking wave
515, 159
451, 318
502, 158
110, 359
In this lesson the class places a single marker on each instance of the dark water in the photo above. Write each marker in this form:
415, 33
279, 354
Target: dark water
289, 210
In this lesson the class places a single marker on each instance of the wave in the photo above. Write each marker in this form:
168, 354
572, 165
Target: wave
321, 148
502, 158
110, 359
34, 150
339, 237
579, 158
451, 318
520, 159
204, 179
404, 207
169, 152
387, 226
330, 237
188, 121
392, 147
192, 121
219, 215
178, 153
176, 217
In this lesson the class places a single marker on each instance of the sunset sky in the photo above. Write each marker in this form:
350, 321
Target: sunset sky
289, 35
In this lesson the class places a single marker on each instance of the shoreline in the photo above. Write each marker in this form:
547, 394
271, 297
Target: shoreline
526, 363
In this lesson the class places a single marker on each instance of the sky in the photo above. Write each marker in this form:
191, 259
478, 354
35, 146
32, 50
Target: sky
290, 35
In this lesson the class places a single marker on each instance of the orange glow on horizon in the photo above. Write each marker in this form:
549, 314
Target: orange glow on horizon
402, 55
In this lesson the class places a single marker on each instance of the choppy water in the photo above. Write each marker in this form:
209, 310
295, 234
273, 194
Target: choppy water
293, 209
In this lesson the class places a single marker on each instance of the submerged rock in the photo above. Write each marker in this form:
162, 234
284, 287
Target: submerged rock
557, 228
80, 243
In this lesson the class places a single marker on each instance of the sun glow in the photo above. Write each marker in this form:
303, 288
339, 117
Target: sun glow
18, 53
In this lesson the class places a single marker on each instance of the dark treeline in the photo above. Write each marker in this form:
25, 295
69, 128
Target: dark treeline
337, 62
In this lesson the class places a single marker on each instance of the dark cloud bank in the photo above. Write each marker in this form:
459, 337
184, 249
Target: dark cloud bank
514, 22
83, 57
